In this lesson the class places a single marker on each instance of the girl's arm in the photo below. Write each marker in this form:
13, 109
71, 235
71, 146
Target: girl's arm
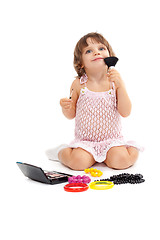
123, 102
69, 105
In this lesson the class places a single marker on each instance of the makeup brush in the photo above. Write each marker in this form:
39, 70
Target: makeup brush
111, 61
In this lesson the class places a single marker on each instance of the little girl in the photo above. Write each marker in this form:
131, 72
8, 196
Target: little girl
98, 99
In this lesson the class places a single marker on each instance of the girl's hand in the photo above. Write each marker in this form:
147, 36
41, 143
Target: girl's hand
114, 76
66, 103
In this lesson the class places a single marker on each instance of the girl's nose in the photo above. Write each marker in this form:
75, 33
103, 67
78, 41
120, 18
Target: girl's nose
96, 53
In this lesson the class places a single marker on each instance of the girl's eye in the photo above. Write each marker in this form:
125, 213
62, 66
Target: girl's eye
88, 51
101, 48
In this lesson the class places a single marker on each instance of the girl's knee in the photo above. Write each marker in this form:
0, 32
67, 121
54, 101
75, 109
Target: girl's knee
77, 166
81, 160
120, 161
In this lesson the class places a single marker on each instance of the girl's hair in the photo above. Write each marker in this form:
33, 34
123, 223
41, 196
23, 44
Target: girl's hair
81, 44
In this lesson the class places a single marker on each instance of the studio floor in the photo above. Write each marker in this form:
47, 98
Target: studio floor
34, 210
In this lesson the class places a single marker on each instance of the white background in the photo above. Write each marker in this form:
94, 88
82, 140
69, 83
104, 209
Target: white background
37, 40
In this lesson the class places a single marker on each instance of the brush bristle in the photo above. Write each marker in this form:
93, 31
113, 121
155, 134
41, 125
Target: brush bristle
111, 61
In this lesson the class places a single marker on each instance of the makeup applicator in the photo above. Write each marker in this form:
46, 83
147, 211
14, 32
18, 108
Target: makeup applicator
111, 61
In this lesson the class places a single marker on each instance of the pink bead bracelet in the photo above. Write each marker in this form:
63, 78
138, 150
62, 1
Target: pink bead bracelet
79, 179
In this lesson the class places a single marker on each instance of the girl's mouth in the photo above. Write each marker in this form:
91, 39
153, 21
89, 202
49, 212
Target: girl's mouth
99, 58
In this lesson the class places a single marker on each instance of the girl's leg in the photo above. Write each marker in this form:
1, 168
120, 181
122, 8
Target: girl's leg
76, 158
121, 157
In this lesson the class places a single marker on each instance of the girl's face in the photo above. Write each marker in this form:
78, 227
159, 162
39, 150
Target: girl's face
93, 55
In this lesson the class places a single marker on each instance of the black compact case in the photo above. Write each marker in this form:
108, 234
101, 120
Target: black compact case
43, 176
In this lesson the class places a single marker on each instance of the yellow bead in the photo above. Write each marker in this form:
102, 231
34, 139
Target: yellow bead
87, 170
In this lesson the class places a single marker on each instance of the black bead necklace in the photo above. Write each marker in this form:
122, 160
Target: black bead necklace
124, 178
